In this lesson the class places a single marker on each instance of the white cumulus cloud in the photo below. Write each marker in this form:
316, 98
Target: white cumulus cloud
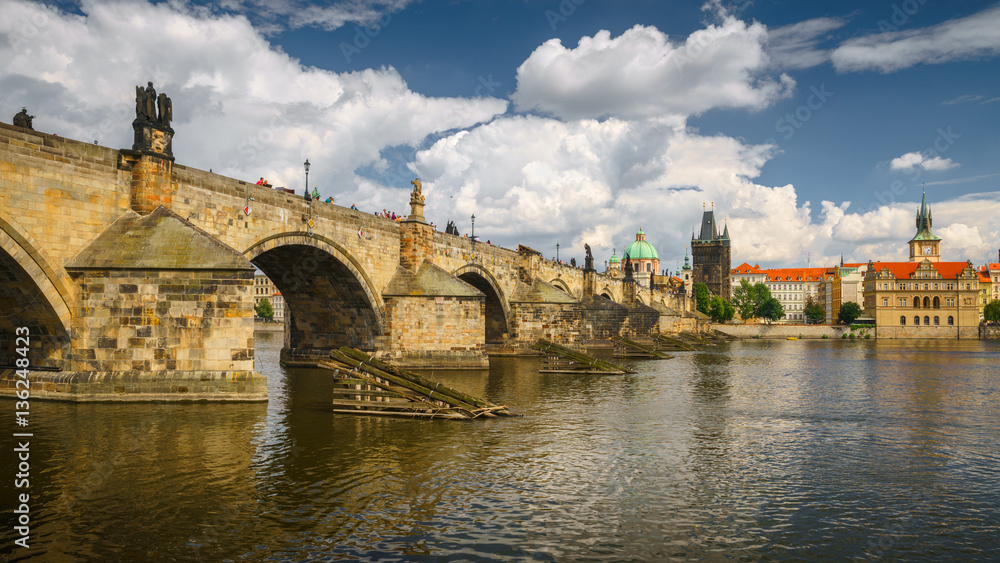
241, 107
912, 160
641, 73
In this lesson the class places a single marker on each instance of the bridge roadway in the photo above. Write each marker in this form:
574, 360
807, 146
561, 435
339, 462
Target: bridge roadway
134, 275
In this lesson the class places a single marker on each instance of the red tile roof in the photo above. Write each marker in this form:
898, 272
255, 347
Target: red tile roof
745, 268
904, 270
795, 274
984, 277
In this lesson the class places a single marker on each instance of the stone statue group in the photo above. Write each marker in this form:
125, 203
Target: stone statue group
147, 103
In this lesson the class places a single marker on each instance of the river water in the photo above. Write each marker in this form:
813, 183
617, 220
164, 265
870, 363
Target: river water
755, 450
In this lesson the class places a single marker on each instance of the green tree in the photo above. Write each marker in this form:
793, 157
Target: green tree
815, 312
721, 310
849, 312
772, 310
745, 300
991, 311
749, 299
264, 309
703, 297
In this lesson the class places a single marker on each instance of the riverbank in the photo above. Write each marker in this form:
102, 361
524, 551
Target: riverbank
783, 331
268, 327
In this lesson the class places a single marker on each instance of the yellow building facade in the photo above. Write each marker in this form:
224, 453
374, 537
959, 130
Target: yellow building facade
924, 297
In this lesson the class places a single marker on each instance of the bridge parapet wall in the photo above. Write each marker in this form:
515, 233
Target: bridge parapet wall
61, 192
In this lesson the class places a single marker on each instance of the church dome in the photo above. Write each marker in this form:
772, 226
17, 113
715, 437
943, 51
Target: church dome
614, 259
640, 249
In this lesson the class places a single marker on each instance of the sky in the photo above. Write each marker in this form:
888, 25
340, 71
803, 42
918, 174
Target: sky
811, 128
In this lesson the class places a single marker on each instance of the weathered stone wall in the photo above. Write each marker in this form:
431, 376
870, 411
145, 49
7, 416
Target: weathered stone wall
435, 331
132, 320
63, 193
558, 322
783, 331
151, 183
934, 332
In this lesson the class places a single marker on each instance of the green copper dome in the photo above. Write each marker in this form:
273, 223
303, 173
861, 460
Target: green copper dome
614, 259
640, 249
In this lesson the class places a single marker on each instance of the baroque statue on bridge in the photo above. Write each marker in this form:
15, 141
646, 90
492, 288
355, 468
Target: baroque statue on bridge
22, 119
147, 103
417, 195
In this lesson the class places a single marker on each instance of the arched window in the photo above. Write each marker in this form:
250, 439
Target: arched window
927, 321
916, 302
937, 320
916, 321
951, 320
927, 302
937, 303
902, 320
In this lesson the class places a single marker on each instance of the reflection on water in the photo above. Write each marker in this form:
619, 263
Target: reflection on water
756, 450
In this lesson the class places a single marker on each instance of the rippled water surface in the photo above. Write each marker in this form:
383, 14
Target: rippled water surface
756, 450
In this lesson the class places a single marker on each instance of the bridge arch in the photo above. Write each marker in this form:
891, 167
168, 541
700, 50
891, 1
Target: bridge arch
35, 296
608, 293
332, 300
560, 284
498, 315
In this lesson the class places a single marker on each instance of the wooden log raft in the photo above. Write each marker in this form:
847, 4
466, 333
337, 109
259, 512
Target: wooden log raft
560, 359
630, 349
364, 385
668, 343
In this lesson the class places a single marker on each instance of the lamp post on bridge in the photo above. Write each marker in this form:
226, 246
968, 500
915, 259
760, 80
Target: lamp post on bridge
309, 199
473, 227
557, 252
306, 164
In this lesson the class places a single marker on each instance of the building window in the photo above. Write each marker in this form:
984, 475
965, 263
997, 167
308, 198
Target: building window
927, 302
902, 320
926, 287
935, 286
916, 321
916, 302
937, 302
885, 301
927, 321
951, 320
902, 302
937, 320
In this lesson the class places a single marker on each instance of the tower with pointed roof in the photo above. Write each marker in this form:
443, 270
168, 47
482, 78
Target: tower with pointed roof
712, 255
924, 245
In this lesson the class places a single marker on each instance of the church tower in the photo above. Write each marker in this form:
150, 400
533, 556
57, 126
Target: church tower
924, 245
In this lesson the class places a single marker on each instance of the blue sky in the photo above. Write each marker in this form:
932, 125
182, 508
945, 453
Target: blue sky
812, 126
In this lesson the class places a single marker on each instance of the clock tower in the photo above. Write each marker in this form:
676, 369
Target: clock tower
924, 245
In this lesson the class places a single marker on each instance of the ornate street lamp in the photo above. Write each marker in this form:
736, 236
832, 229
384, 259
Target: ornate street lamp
306, 164
473, 227
309, 224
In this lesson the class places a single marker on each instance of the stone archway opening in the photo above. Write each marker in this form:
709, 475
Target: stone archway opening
496, 318
26, 312
327, 305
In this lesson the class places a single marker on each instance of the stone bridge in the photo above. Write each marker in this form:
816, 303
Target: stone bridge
133, 276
